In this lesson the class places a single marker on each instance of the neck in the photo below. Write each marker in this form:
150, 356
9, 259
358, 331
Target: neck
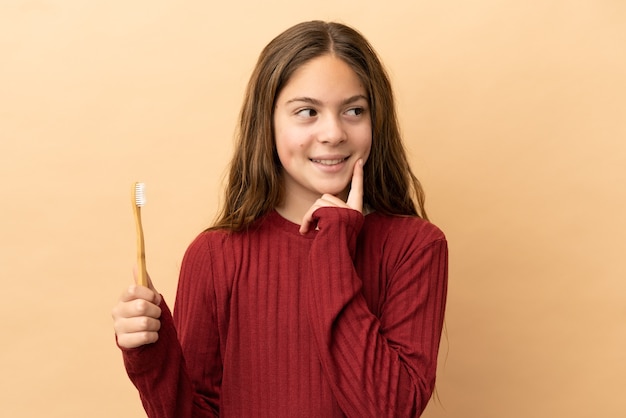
294, 208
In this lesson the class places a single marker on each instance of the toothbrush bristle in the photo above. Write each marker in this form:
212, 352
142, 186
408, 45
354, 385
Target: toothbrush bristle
140, 195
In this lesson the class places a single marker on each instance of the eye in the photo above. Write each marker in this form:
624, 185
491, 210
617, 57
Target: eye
307, 113
355, 111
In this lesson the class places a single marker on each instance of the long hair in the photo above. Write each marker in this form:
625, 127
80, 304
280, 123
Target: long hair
255, 184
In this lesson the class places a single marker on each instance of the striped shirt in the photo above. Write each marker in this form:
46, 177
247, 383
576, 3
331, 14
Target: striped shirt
344, 321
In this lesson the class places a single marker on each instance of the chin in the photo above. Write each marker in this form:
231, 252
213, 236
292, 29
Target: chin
335, 191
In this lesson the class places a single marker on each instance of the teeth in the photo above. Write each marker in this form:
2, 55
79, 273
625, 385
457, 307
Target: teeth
329, 162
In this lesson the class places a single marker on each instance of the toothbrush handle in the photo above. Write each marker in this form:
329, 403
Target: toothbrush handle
142, 275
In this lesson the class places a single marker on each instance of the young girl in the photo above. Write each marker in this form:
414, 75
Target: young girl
320, 290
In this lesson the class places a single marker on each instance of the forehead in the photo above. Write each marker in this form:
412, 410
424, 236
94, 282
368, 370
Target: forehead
324, 76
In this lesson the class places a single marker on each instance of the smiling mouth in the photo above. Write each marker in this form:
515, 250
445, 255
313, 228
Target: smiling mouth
330, 162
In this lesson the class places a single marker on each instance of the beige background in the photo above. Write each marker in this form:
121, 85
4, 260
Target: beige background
514, 114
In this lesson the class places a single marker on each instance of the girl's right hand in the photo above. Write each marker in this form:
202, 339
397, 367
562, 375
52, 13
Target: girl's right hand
355, 198
136, 316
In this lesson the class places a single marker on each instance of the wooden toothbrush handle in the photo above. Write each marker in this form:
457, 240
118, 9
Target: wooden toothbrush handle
142, 274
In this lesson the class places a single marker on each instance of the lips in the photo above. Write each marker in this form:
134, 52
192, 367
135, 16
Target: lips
329, 161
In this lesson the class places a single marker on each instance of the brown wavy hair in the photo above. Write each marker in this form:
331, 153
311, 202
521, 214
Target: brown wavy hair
255, 184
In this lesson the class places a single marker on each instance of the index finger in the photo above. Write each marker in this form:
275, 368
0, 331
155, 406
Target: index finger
355, 197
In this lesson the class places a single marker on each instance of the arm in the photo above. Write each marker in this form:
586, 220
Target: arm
171, 375
158, 372
377, 368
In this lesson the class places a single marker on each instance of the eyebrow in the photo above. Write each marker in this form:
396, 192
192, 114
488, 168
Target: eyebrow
317, 102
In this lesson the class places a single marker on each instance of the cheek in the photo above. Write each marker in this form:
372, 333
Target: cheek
287, 147
280, 139
283, 154
290, 141
366, 155
282, 143
366, 143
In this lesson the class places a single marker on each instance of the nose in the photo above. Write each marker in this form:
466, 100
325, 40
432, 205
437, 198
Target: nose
332, 131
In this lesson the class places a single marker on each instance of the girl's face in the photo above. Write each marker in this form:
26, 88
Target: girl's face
322, 127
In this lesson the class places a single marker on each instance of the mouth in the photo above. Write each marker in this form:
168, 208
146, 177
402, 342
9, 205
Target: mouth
329, 162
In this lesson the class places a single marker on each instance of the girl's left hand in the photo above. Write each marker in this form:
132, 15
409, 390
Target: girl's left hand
355, 198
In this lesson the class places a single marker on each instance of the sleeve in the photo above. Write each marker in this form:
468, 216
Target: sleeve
376, 367
178, 376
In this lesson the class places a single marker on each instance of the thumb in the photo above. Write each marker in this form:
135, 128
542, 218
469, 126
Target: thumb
149, 284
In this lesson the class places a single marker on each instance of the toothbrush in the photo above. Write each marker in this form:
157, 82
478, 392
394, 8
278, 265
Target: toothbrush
139, 200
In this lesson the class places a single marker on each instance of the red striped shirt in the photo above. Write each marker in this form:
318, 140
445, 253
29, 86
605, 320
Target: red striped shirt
343, 321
